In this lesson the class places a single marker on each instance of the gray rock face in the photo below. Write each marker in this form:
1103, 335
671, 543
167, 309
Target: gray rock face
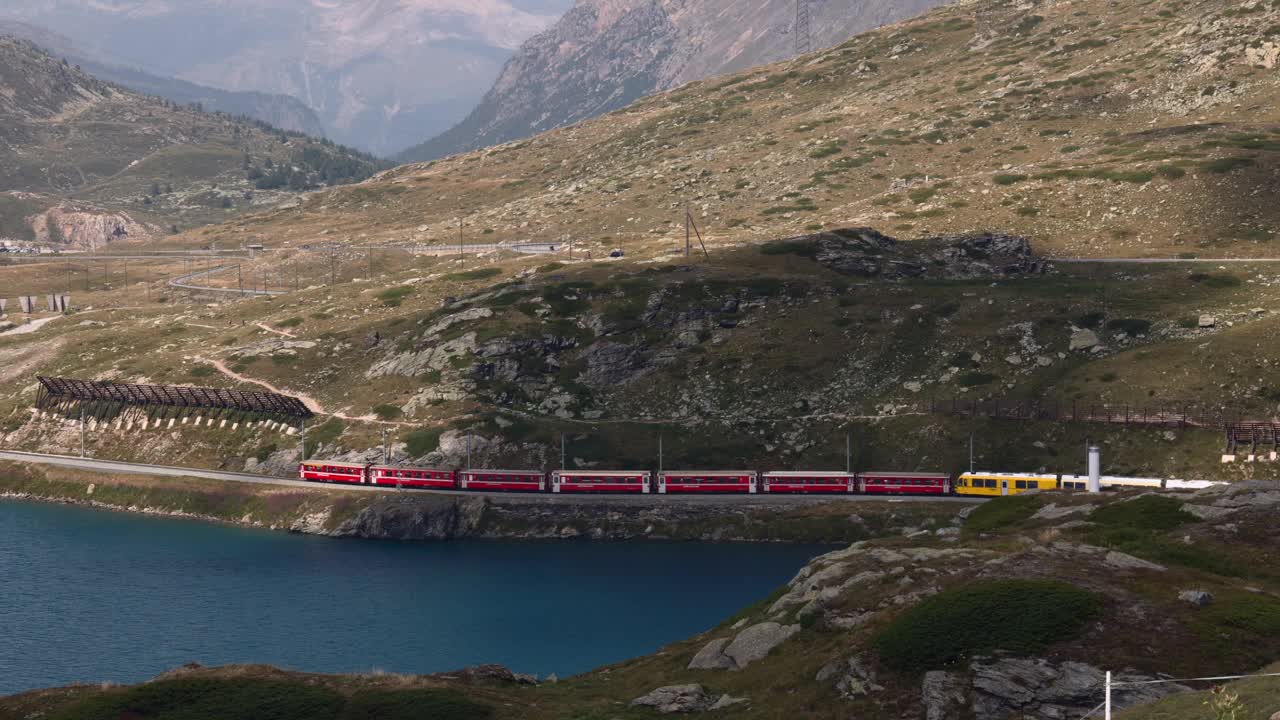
757, 641
1015, 687
712, 657
1124, 561
416, 518
676, 699
943, 694
610, 364
1199, 598
868, 253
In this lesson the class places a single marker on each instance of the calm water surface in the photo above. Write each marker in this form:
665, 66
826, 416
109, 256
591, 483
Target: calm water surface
87, 596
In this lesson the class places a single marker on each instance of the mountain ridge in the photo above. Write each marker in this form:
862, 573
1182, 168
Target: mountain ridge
605, 54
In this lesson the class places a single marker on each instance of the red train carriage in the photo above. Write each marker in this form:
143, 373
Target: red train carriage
333, 472
890, 483
816, 482
707, 481
600, 481
507, 480
412, 477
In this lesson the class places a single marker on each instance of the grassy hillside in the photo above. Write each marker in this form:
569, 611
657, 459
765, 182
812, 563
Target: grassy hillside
69, 138
1098, 128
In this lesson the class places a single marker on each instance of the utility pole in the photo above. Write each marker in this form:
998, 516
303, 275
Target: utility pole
461, 256
468, 452
659, 453
126, 274
386, 455
302, 437
332, 270
82, 431
562, 465
971, 452
690, 230
848, 453
239, 279
1106, 714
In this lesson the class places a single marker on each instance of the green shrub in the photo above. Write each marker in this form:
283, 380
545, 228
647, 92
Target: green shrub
264, 451
392, 297
425, 704
803, 248
568, 298
289, 323
422, 441
200, 371
1173, 172
922, 195
1226, 165
1028, 211
477, 274
1008, 179
1215, 281
550, 267
1130, 326
1002, 512
324, 433
976, 379
1016, 616
1149, 512
210, 699
1256, 613
387, 411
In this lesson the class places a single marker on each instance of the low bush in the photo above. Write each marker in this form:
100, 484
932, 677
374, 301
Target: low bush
322, 434
1002, 512
210, 699
1130, 326
1255, 613
422, 441
392, 297
289, 323
387, 411
976, 379
1008, 179
477, 274
1016, 616
802, 248
432, 704
200, 371
1149, 512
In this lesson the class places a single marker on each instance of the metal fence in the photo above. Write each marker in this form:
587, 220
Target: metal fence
1156, 414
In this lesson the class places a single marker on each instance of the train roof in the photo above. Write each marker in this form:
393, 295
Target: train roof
411, 467
1045, 476
502, 472
905, 474
808, 473
336, 463
603, 472
708, 472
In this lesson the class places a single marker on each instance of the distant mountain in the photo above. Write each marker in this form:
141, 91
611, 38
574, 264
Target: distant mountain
381, 74
604, 54
86, 162
277, 110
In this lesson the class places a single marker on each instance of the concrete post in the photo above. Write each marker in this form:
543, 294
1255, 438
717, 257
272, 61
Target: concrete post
1095, 469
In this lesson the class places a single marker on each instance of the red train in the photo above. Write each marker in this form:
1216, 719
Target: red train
673, 482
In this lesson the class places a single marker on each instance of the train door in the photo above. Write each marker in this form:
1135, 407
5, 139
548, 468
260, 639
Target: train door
1004, 487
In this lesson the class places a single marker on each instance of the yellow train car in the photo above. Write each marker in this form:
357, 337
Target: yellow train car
1001, 484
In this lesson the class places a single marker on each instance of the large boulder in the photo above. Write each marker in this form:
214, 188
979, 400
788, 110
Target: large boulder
712, 657
677, 699
757, 641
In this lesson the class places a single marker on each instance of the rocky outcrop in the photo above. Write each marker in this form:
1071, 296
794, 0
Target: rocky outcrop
677, 699
417, 518
1047, 689
866, 252
752, 644
85, 229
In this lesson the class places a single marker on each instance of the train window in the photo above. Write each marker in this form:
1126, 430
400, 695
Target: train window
991, 483
1020, 484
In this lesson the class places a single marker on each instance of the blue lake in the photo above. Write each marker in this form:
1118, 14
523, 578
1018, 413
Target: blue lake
89, 596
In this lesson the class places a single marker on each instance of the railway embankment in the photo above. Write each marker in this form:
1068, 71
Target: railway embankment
417, 516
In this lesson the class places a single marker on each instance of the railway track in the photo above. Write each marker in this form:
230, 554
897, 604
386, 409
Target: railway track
127, 468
